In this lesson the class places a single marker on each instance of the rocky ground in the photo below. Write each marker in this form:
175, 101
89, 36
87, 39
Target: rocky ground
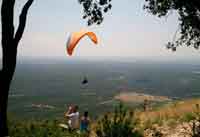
186, 129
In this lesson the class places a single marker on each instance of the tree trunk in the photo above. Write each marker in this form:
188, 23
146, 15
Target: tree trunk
9, 64
3, 108
10, 43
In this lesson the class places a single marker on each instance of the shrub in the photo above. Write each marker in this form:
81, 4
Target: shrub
188, 117
119, 124
39, 129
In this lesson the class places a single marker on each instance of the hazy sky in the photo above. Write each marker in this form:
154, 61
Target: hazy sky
127, 31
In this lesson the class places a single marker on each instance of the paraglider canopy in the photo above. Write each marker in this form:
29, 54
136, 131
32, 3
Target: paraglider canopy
75, 37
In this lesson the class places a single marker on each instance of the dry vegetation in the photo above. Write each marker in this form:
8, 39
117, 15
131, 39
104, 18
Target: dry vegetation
175, 119
177, 111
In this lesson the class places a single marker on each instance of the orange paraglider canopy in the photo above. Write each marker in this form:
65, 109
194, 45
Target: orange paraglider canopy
75, 37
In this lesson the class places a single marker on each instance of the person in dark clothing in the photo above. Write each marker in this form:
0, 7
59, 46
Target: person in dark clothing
84, 123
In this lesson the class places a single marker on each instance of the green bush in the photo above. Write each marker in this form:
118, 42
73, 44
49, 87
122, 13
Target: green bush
39, 129
119, 124
188, 117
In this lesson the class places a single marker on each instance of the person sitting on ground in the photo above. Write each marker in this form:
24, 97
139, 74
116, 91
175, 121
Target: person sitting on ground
73, 118
85, 120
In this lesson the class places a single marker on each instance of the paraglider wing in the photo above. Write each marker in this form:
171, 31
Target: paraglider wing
76, 37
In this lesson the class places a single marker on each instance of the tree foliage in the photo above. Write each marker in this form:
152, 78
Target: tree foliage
93, 10
189, 19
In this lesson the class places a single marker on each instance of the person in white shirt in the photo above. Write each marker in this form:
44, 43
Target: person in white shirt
73, 118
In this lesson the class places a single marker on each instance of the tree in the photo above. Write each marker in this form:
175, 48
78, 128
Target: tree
189, 18
93, 12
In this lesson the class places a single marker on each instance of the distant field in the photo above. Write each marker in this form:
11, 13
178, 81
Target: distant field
39, 84
131, 97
